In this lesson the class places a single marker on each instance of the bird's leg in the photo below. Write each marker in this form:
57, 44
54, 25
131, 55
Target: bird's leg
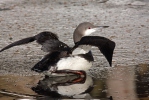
78, 72
79, 80
81, 73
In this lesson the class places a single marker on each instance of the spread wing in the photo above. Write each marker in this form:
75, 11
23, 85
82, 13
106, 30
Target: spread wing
46, 62
105, 45
51, 44
48, 40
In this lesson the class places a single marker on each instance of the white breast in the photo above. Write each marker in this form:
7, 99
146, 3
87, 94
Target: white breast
75, 89
73, 63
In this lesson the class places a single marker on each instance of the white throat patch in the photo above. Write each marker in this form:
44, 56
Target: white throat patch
89, 31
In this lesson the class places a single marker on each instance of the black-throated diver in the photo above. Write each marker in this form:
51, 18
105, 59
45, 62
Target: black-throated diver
60, 57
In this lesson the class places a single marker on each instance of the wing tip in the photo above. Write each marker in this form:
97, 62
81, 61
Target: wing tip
113, 47
1, 50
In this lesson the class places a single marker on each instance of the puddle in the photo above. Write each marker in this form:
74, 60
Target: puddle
120, 83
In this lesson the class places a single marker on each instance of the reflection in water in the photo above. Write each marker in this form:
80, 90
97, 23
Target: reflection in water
120, 82
69, 87
72, 86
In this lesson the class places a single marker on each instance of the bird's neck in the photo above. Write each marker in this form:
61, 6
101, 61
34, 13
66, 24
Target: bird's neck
83, 49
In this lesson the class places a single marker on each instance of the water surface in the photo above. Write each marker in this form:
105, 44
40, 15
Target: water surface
119, 82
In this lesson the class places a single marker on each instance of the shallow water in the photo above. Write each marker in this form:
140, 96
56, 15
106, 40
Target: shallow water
120, 82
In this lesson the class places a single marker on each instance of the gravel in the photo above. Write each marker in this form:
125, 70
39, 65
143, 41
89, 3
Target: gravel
128, 21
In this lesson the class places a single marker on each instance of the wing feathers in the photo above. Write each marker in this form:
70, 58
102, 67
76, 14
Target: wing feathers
105, 45
20, 42
44, 36
48, 40
48, 61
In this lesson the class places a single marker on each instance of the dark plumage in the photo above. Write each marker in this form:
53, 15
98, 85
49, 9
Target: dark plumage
105, 45
48, 40
60, 54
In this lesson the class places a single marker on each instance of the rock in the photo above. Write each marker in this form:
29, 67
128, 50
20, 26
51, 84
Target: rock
138, 3
120, 2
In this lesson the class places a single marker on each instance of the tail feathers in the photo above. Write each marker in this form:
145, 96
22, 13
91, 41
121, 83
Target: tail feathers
20, 42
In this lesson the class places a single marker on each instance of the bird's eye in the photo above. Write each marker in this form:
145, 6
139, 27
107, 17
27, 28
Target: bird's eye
89, 28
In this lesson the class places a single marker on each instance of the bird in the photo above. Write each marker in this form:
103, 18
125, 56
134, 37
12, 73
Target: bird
61, 58
65, 86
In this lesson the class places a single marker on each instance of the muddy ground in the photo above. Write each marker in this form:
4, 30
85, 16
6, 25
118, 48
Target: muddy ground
128, 21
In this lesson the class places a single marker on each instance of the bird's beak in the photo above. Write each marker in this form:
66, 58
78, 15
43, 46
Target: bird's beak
94, 29
100, 27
